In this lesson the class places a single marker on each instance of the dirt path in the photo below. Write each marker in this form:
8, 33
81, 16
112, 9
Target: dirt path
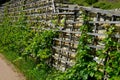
8, 71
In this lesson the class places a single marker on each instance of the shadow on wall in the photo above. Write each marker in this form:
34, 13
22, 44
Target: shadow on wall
3, 1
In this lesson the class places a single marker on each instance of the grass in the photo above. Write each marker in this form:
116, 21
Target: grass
107, 5
104, 4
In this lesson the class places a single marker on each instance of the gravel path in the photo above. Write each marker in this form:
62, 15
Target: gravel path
8, 71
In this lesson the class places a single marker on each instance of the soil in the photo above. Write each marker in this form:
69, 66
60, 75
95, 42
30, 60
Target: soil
8, 71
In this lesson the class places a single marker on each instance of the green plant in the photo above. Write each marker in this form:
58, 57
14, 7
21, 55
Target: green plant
85, 67
33, 49
40, 45
110, 54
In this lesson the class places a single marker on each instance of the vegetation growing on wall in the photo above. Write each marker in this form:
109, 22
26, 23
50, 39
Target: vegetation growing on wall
110, 55
29, 49
85, 67
32, 51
